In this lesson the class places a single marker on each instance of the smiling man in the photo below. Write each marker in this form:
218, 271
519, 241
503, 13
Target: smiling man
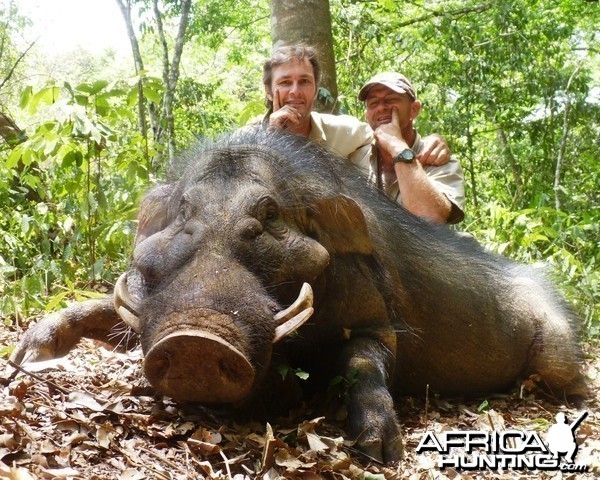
291, 79
435, 192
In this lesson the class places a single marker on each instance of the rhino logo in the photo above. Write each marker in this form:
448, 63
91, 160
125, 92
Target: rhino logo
561, 437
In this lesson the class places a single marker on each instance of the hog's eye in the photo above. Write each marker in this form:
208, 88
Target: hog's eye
267, 210
271, 214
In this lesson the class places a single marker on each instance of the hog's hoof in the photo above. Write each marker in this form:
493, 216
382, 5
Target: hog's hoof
390, 450
198, 366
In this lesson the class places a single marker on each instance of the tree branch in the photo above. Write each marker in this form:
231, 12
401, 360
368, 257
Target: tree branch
10, 132
441, 13
563, 141
13, 68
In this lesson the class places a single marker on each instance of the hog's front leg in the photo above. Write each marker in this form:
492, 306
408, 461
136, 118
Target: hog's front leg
56, 334
371, 413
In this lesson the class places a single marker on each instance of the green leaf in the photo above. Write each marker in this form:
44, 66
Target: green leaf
250, 111
25, 225
81, 295
97, 268
55, 301
82, 100
93, 88
153, 95
14, 157
25, 97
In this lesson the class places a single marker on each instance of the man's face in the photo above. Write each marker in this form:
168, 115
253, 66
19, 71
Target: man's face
380, 101
295, 84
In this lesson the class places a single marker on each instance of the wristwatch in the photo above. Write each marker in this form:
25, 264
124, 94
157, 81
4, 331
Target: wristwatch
405, 156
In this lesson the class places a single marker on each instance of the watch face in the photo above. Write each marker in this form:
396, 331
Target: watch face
408, 154
405, 156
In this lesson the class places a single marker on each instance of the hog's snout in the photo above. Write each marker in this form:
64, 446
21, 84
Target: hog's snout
196, 365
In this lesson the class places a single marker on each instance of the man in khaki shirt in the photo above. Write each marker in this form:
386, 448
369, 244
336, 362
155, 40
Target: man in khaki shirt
433, 192
291, 78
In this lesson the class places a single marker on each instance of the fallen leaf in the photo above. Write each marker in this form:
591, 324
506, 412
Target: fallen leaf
62, 363
284, 458
315, 443
60, 472
82, 399
12, 473
131, 474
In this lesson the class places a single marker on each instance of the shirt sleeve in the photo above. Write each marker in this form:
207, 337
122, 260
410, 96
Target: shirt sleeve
450, 180
344, 135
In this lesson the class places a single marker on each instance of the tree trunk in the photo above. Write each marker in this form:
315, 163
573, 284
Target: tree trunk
125, 7
471, 168
514, 166
561, 155
563, 141
171, 68
10, 132
308, 22
170, 72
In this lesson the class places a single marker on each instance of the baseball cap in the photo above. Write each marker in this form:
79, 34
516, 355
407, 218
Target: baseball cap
395, 81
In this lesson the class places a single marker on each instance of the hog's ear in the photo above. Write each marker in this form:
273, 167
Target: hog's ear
340, 225
153, 212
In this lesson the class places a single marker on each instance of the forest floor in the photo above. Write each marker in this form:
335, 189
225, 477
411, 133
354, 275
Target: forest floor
88, 416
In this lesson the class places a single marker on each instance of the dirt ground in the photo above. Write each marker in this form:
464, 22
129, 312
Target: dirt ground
89, 416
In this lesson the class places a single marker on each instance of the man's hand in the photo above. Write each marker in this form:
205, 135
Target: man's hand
283, 117
389, 136
435, 151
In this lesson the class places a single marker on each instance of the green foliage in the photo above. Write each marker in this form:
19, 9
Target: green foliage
483, 406
566, 243
10, 27
68, 194
285, 371
222, 89
496, 78
339, 387
509, 83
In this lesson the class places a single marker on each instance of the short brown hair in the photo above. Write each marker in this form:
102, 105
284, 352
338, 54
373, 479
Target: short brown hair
286, 54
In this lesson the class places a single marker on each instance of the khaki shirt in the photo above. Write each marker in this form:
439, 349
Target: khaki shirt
350, 138
447, 178
343, 135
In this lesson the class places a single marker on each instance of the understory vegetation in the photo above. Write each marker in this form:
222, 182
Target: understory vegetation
509, 84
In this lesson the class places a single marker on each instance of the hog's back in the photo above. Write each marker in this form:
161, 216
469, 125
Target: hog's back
467, 320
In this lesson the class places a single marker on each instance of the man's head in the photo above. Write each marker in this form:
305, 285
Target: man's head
293, 73
386, 91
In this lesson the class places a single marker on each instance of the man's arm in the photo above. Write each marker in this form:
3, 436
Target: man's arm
419, 195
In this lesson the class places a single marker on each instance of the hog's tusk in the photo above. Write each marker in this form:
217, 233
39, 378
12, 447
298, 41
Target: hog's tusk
292, 324
130, 319
125, 305
303, 302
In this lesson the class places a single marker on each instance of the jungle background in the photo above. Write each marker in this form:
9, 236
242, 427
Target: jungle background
514, 86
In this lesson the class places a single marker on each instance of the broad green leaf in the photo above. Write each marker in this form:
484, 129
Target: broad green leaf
25, 97
14, 157
93, 88
152, 95
55, 301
